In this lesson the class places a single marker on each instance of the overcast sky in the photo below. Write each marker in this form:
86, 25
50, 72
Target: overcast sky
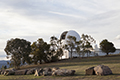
33, 19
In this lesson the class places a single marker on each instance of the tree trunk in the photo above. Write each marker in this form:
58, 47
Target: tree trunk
107, 54
82, 54
79, 55
40, 62
87, 54
71, 53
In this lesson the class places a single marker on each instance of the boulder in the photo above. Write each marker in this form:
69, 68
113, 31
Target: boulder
47, 69
45, 73
13, 69
102, 70
63, 72
2, 72
60, 72
38, 72
90, 71
31, 71
55, 68
9, 72
49, 73
21, 72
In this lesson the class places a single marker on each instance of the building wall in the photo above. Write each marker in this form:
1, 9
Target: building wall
67, 54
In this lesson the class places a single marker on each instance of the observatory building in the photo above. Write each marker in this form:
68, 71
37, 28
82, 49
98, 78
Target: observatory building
64, 38
66, 54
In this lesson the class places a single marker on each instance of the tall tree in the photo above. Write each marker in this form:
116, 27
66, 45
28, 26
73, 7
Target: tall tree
40, 49
78, 48
86, 44
107, 46
70, 44
55, 50
18, 50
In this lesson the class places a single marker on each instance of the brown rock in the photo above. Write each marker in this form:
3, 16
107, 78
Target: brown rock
102, 70
9, 72
63, 72
21, 72
55, 68
2, 72
47, 69
38, 72
45, 73
31, 71
90, 71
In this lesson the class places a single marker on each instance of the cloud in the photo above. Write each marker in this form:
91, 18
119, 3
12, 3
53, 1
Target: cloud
118, 37
69, 15
33, 19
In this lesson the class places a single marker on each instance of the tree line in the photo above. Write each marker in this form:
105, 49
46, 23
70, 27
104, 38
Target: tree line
21, 51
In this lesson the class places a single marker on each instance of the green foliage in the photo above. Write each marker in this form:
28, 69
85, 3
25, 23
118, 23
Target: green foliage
83, 46
40, 49
78, 48
86, 44
70, 44
18, 51
107, 46
55, 50
3, 67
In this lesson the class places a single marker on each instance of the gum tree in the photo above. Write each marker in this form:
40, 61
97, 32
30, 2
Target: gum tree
18, 50
107, 46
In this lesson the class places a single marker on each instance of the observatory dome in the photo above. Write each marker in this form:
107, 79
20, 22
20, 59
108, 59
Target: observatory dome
73, 33
65, 34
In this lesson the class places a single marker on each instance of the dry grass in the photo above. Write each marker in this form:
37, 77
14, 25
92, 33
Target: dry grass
79, 65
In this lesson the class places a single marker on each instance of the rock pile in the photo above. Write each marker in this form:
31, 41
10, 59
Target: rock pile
8, 72
99, 70
40, 72
54, 72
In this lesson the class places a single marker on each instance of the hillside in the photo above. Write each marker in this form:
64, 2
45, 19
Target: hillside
3, 62
79, 65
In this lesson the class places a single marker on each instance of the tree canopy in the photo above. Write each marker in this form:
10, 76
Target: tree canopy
40, 49
55, 50
18, 51
70, 44
107, 46
86, 43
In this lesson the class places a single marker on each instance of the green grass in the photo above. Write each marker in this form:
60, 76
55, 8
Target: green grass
76, 64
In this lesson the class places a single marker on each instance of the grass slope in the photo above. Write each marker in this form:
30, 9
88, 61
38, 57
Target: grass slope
79, 65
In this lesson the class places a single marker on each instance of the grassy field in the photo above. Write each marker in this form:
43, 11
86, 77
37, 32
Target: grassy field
113, 62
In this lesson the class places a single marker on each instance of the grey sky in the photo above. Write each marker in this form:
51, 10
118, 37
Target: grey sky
33, 19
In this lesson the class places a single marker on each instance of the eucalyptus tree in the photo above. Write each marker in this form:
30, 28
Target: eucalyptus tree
86, 44
70, 46
78, 48
107, 46
40, 51
55, 49
18, 50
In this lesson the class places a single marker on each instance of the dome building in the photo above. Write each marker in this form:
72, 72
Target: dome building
65, 34
64, 38
66, 54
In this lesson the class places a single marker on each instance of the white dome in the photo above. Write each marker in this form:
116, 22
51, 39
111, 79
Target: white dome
73, 33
